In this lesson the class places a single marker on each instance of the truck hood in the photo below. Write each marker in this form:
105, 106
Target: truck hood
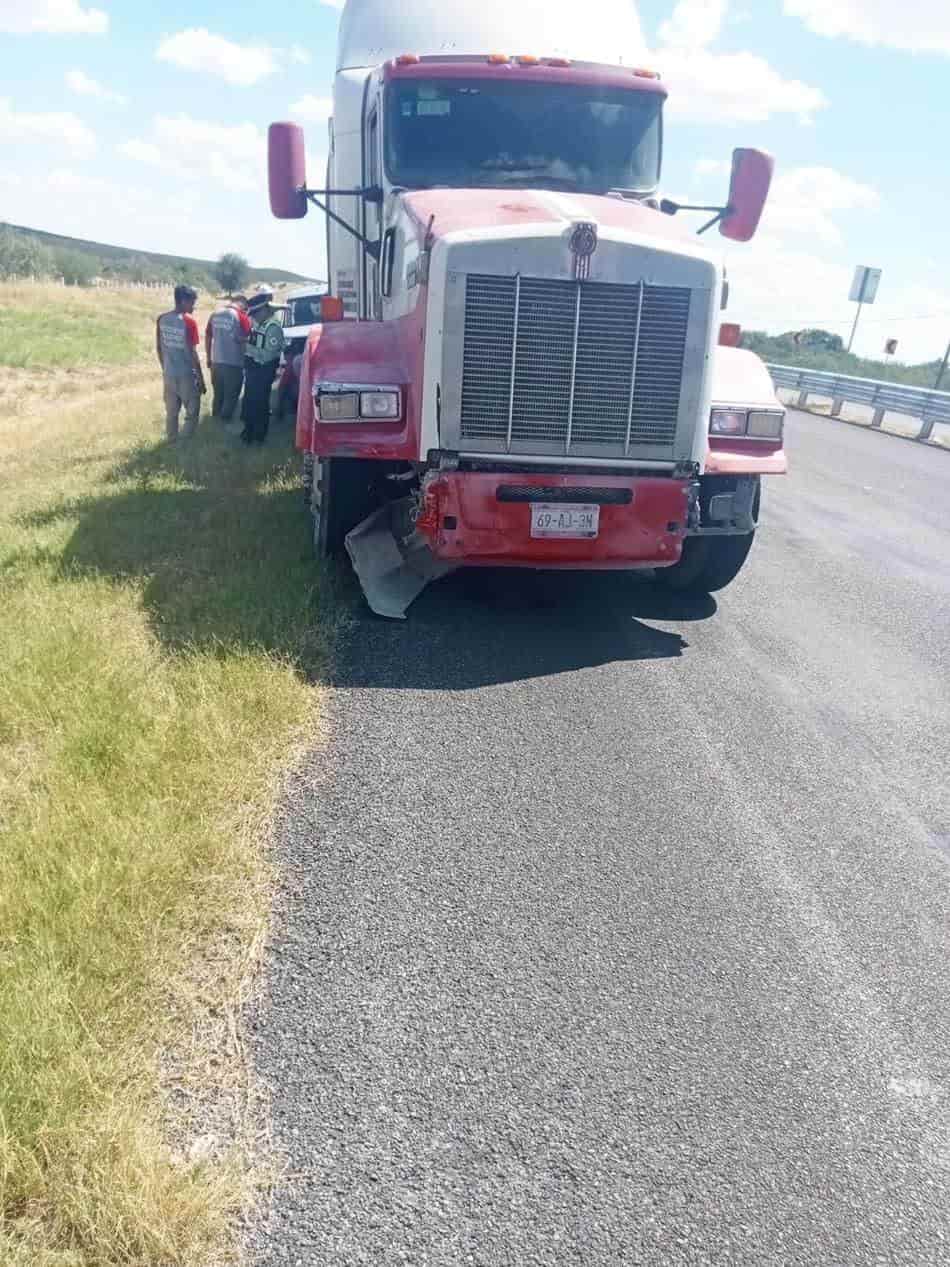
467, 210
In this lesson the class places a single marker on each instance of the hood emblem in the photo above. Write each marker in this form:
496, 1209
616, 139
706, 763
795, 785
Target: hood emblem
583, 244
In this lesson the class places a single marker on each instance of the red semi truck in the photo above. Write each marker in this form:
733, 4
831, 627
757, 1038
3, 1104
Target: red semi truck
521, 360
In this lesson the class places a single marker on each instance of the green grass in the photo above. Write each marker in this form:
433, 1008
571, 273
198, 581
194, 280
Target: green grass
50, 339
160, 625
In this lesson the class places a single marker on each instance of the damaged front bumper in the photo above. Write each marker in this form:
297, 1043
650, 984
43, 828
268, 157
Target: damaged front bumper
484, 519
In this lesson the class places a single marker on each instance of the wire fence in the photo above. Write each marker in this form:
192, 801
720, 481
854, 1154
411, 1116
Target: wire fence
93, 283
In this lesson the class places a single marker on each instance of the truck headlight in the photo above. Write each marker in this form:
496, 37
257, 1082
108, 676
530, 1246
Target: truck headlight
379, 404
337, 406
766, 424
728, 422
757, 424
339, 402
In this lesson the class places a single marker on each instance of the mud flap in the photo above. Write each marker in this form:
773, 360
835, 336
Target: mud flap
391, 574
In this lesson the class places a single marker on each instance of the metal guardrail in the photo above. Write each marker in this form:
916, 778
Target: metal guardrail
915, 402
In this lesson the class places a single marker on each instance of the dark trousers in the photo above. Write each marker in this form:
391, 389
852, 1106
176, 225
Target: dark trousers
258, 380
227, 381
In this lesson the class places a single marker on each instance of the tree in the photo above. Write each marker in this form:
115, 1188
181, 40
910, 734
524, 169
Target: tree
77, 268
820, 339
232, 272
22, 255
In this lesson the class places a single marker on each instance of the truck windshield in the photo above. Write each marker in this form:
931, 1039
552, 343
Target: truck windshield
464, 133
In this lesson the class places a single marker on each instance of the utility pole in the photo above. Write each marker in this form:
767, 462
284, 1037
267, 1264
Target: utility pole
943, 369
854, 328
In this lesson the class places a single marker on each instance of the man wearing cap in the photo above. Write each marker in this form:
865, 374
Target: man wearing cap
176, 344
225, 337
264, 346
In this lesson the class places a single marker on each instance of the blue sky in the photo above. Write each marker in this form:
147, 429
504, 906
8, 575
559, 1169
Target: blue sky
144, 126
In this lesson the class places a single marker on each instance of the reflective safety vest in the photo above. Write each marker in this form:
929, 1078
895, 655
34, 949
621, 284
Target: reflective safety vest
265, 342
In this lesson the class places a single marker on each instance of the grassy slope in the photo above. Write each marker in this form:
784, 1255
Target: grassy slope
158, 620
62, 327
104, 251
782, 350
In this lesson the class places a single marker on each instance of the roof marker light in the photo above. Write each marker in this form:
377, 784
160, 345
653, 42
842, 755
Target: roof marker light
557, 61
408, 59
498, 59
528, 59
646, 74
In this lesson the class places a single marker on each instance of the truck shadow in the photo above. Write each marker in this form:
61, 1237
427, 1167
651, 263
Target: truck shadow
217, 542
214, 539
485, 627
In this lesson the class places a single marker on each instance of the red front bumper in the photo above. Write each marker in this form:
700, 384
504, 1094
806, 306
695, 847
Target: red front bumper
467, 518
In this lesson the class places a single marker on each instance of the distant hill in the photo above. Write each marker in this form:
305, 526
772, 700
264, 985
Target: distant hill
146, 265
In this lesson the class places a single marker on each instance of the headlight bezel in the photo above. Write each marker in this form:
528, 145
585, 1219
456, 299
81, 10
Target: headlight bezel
351, 403
736, 423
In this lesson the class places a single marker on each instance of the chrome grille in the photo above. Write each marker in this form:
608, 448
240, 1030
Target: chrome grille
575, 364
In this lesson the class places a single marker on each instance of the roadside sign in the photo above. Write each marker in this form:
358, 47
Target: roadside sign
890, 347
864, 286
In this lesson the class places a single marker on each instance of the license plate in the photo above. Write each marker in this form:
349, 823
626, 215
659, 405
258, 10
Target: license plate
564, 519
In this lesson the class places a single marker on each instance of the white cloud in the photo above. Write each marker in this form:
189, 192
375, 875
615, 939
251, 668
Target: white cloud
84, 86
312, 109
710, 87
51, 17
805, 200
229, 156
67, 131
239, 140
694, 23
299, 55
142, 152
199, 50
712, 167
63, 180
918, 26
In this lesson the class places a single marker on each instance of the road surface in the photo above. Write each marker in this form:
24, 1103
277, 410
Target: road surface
614, 929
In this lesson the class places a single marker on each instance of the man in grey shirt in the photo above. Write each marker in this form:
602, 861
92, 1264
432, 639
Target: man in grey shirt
176, 343
225, 336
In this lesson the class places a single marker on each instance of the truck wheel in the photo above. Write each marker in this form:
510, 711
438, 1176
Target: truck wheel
343, 496
707, 564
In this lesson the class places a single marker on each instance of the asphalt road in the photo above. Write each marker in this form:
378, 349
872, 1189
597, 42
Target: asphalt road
614, 929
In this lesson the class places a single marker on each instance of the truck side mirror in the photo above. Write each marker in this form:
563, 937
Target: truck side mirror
287, 171
748, 190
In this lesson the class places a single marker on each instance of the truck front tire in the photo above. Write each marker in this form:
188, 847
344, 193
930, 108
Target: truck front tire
343, 496
708, 564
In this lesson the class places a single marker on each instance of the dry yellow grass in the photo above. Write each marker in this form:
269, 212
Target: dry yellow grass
159, 625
